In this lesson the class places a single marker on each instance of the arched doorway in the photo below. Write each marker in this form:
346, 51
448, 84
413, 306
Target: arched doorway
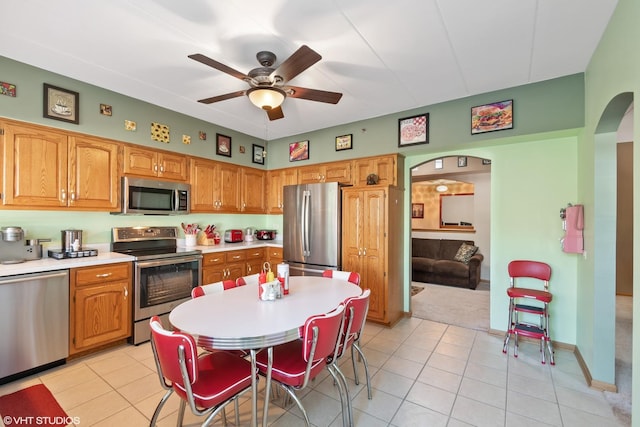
450, 199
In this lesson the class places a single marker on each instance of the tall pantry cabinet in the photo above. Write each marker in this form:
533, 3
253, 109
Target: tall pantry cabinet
372, 226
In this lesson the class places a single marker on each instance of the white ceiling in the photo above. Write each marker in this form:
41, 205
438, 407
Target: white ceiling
384, 56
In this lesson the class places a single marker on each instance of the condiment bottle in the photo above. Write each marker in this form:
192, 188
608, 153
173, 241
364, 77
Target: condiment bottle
262, 279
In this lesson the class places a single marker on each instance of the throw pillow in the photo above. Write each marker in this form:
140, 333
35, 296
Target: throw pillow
465, 253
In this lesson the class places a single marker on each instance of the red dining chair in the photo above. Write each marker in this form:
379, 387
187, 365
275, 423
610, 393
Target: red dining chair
297, 362
530, 302
349, 276
207, 383
252, 279
212, 288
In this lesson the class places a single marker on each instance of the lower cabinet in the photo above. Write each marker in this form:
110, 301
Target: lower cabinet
229, 265
100, 306
275, 257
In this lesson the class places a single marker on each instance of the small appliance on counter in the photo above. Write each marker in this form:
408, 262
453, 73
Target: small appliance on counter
233, 236
14, 250
266, 234
249, 234
72, 246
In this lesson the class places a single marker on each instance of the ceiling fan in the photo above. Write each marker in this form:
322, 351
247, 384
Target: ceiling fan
268, 88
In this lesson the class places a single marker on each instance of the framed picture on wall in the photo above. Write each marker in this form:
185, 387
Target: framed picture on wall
61, 104
417, 210
223, 145
490, 117
413, 130
299, 151
258, 154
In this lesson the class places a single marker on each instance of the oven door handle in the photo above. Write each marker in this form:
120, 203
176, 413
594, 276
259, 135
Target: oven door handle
167, 261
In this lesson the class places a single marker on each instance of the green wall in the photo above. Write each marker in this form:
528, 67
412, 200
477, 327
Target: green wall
614, 72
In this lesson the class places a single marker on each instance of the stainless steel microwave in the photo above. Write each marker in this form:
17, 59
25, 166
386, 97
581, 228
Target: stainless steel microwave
142, 196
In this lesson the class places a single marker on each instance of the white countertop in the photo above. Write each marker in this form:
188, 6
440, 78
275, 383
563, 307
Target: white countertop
106, 257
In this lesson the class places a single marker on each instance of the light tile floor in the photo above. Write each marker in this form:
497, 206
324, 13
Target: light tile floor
422, 373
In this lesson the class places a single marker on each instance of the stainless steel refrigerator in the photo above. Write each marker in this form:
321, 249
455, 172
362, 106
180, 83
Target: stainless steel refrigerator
312, 228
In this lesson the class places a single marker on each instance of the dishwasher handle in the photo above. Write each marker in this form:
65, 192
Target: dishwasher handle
30, 277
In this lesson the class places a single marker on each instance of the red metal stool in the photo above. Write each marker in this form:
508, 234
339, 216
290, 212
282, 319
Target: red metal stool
531, 302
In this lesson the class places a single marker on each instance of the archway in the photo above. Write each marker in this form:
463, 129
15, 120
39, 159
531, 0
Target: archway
463, 182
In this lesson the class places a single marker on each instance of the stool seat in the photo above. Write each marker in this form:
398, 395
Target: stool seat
536, 294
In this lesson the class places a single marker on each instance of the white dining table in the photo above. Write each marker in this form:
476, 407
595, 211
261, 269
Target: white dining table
237, 319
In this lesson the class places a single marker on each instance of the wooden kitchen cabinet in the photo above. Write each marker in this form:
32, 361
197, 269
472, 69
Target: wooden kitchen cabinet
255, 260
389, 169
253, 188
100, 306
274, 255
227, 265
152, 163
45, 168
371, 245
276, 180
325, 172
214, 186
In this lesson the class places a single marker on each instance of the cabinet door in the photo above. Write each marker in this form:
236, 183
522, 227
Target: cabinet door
93, 174
352, 231
102, 314
203, 191
274, 255
310, 174
35, 167
373, 250
253, 185
384, 166
172, 166
337, 172
141, 162
255, 260
213, 267
227, 182
276, 180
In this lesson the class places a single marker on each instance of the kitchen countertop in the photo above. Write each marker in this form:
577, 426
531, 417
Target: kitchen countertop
106, 257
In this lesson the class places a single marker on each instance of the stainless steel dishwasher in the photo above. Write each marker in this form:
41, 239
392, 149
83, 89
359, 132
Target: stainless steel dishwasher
34, 323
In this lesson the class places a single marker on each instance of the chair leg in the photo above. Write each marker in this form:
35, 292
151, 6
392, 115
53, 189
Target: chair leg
507, 336
366, 367
295, 398
180, 419
156, 413
345, 402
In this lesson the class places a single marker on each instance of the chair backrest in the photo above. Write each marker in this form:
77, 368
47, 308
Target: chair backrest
350, 276
168, 348
355, 316
212, 288
532, 269
320, 335
252, 279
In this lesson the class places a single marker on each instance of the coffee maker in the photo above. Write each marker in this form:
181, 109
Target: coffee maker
14, 249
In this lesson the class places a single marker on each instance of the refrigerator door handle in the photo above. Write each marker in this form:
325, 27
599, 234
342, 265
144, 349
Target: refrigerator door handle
306, 196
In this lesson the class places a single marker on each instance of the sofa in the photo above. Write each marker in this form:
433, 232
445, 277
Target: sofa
443, 262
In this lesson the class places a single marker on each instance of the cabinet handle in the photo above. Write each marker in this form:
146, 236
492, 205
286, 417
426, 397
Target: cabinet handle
73, 196
161, 168
126, 292
155, 167
63, 194
248, 268
101, 276
364, 252
359, 252
236, 257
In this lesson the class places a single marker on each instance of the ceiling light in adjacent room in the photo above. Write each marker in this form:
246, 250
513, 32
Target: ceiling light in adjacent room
266, 98
441, 188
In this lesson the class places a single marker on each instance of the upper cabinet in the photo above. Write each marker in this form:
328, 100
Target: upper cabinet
325, 172
226, 188
389, 170
276, 180
152, 163
45, 168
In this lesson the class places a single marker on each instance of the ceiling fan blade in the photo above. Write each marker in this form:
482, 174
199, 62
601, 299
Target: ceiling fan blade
222, 97
219, 66
299, 61
312, 94
275, 113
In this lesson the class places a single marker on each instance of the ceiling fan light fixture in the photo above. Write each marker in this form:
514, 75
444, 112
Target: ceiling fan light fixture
266, 98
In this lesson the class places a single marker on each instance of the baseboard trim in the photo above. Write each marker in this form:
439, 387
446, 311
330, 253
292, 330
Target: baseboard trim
595, 384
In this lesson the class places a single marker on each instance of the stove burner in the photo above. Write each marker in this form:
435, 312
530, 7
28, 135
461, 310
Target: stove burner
145, 243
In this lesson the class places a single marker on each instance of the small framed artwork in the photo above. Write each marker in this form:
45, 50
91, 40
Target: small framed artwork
413, 130
299, 151
258, 154
491, 117
417, 210
462, 161
8, 89
61, 104
223, 145
106, 110
486, 161
438, 164
344, 142
202, 136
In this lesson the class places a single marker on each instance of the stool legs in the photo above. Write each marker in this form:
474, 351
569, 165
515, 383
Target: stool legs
541, 332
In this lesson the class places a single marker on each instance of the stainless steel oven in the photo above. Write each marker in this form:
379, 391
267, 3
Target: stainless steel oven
163, 273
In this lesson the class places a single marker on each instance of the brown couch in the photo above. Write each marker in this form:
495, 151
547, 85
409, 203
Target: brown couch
433, 262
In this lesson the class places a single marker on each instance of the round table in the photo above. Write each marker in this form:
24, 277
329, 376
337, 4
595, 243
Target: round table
237, 319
